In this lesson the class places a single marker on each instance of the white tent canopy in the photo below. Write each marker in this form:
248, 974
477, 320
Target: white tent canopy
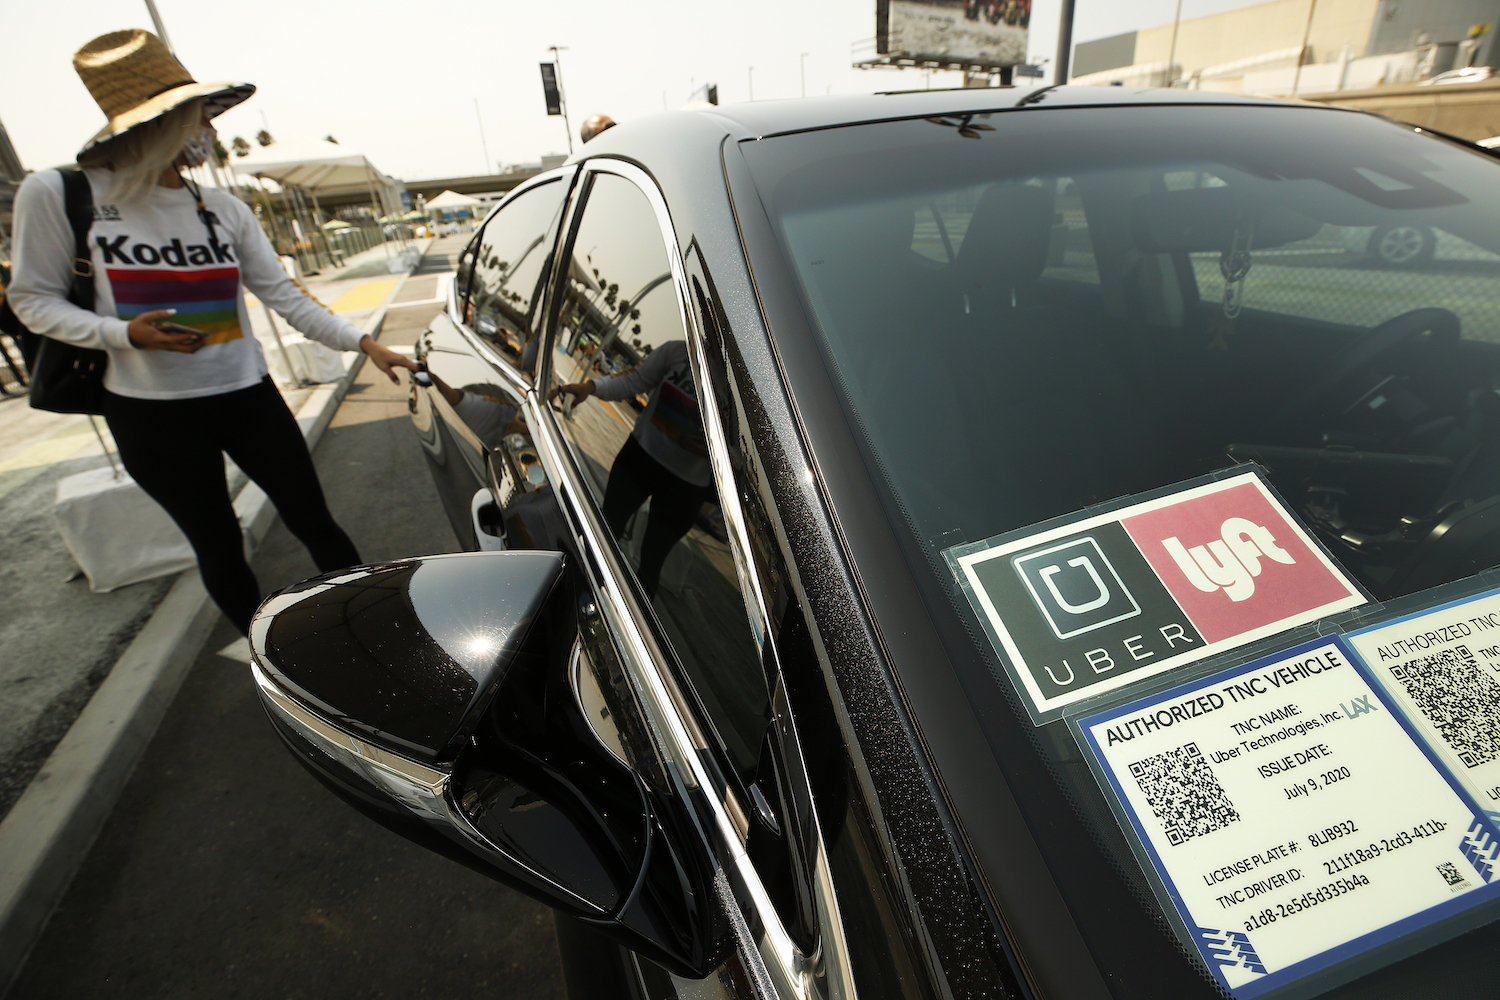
322, 168
449, 200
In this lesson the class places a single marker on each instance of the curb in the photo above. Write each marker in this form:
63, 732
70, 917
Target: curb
49, 830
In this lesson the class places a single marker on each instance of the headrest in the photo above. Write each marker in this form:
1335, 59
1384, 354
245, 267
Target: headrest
1006, 242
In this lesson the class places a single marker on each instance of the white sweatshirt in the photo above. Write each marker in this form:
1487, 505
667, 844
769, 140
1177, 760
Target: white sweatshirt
671, 428
154, 253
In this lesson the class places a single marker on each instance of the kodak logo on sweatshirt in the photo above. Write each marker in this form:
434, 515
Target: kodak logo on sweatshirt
206, 298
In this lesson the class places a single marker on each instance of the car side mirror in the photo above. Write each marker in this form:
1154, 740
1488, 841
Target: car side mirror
440, 697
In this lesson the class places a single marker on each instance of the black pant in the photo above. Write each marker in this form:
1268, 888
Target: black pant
173, 449
635, 476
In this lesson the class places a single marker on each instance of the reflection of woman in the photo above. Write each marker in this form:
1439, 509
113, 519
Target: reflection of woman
177, 399
665, 459
484, 409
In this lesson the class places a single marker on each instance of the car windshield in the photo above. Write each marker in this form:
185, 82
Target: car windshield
1188, 414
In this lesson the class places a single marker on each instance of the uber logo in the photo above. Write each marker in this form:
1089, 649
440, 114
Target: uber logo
1076, 587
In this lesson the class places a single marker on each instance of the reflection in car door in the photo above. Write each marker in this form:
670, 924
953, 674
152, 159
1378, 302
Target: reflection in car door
640, 447
468, 420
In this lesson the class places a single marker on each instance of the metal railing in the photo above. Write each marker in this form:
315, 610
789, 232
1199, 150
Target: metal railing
330, 249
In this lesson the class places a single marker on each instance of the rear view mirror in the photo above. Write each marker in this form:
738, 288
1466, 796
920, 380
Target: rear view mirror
435, 696
1201, 220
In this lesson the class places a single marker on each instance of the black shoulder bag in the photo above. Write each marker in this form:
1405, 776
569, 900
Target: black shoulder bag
66, 378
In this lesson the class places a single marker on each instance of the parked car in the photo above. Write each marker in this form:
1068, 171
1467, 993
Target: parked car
1466, 74
1392, 246
1091, 591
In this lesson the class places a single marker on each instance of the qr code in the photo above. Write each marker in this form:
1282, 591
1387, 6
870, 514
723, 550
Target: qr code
1460, 698
1183, 793
1450, 873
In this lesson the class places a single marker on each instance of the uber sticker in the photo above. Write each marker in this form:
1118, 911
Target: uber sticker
1084, 607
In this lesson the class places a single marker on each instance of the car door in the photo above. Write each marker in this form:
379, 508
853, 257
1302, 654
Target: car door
643, 463
478, 354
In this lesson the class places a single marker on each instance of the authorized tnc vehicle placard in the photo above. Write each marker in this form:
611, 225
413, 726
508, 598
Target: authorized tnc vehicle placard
1088, 606
1441, 666
1292, 817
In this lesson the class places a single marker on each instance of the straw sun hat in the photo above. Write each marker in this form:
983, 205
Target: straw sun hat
135, 78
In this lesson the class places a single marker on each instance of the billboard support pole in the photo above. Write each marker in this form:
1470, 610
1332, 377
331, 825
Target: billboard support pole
1064, 43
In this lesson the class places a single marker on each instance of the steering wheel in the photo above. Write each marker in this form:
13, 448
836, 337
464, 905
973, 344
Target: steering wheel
1442, 325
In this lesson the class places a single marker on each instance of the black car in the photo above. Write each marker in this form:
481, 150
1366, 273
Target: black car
978, 543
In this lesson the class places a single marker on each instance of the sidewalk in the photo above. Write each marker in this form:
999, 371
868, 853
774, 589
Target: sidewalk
60, 639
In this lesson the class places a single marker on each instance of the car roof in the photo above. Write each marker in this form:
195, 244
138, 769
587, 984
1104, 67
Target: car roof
763, 118
641, 139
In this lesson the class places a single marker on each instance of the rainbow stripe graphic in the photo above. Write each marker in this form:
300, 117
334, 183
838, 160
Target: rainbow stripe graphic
205, 299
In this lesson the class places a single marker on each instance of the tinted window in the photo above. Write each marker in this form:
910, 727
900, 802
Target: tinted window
639, 442
509, 259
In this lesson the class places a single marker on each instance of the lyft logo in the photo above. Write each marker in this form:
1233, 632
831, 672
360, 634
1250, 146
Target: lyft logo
1230, 562
1076, 587
1234, 561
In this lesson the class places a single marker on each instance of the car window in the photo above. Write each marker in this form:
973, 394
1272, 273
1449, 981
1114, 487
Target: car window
508, 260
639, 442
1170, 407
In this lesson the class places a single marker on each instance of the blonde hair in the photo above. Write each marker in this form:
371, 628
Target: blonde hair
139, 155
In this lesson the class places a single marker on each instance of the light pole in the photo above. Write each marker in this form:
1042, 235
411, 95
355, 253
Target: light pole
562, 93
804, 74
752, 83
482, 143
1172, 52
1312, 5
161, 29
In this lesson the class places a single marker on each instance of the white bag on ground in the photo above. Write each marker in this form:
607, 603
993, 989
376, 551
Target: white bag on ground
310, 360
116, 533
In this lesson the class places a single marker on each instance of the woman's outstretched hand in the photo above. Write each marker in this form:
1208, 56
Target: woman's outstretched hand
386, 359
146, 335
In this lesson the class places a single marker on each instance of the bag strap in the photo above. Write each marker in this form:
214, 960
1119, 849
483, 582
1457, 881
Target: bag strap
78, 199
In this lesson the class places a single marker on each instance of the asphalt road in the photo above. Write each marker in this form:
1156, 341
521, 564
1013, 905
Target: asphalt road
227, 872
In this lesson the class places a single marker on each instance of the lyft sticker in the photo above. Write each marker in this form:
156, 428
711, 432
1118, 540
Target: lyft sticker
1235, 561
1083, 607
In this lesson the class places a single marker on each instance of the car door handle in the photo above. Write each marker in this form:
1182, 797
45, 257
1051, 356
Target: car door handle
485, 520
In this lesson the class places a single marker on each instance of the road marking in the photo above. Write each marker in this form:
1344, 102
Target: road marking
23, 467
366, 296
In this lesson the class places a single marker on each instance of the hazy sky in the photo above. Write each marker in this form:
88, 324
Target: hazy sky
398, 81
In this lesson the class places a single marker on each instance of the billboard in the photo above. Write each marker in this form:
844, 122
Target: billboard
970, 32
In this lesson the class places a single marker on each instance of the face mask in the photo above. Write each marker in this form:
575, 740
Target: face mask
199, 147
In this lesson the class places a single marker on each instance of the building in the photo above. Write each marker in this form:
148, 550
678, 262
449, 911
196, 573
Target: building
1349, 45
11, 176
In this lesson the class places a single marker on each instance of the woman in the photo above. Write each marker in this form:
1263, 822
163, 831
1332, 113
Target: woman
165, 251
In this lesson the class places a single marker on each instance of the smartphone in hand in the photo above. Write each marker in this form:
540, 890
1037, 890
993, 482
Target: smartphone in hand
179, 328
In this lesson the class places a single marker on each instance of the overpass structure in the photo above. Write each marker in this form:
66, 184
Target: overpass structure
474, 186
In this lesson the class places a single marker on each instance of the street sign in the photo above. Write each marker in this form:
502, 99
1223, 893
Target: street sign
549, 89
